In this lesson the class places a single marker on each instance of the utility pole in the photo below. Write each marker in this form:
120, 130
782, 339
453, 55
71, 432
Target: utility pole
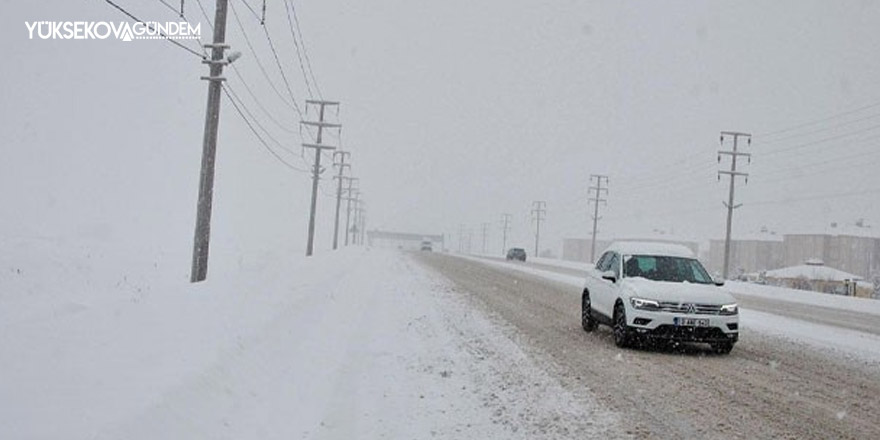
361, 222
485, 230
341, 164
316, 172
461, 238
348, 200
597, 198
732, 173
538, 211
505, 226
355, 228
202, 238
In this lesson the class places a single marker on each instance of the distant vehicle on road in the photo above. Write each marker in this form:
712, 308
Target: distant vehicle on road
516, 254
427, 246
658, 292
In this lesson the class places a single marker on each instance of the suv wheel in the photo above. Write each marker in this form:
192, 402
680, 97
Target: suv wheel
622, 332
722, 347
587, 321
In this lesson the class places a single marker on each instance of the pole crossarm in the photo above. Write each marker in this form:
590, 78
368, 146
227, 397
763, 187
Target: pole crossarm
321, 124
321, 102
319, 146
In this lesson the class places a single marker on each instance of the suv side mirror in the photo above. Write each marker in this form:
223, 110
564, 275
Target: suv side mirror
718, 281
609, 275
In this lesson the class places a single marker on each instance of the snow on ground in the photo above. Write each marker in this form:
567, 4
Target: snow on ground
853, 304
851, 344
352, 344
847, 342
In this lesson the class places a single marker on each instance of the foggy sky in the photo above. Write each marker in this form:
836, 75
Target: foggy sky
455, 112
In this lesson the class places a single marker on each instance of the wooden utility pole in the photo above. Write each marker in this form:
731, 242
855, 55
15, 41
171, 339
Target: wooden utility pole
202, 239
316, 171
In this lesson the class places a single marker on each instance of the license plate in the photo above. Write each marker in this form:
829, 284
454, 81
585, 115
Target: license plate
690, 322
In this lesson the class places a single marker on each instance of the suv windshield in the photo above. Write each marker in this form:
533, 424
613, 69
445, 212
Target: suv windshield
663, 268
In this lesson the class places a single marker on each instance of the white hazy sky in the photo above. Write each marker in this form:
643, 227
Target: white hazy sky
455, 112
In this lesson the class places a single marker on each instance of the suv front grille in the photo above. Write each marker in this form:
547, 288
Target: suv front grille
699, 309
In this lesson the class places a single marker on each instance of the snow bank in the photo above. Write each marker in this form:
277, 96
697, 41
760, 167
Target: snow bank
863, 305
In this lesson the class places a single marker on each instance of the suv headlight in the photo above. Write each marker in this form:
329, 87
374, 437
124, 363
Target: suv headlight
644, 304
729, 309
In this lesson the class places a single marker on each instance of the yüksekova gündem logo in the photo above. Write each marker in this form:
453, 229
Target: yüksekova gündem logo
102, 30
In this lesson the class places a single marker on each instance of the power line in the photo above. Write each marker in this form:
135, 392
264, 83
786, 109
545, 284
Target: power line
281, 69
162, 34
818, 121
227, 90
820, 130
836, 159
257, 101
296, 46
257, 16
205, 13
821, 141
305, 52
818, 197
260, 64
172, 8
257, 122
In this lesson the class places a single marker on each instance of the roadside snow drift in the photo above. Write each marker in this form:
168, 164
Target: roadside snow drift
353, 344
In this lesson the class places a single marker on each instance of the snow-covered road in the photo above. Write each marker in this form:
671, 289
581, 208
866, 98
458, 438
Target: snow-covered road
357, 344
775, 383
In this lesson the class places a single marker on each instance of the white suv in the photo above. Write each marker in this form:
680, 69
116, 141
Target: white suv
658, 292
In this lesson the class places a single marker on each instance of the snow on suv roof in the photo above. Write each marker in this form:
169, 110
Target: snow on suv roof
650, 248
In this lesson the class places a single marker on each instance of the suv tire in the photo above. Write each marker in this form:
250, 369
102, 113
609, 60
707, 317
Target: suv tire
622, 333
722, 347
587, 321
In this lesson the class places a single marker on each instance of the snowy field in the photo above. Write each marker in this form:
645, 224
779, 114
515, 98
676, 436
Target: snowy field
353, 344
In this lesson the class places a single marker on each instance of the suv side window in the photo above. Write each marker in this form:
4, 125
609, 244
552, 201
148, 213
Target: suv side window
614, 265
602, 264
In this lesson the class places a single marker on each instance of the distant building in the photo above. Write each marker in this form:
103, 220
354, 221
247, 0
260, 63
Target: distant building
754, 253
854, 250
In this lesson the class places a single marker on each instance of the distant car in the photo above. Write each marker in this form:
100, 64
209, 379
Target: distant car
427, 246
658, 292
516, 254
